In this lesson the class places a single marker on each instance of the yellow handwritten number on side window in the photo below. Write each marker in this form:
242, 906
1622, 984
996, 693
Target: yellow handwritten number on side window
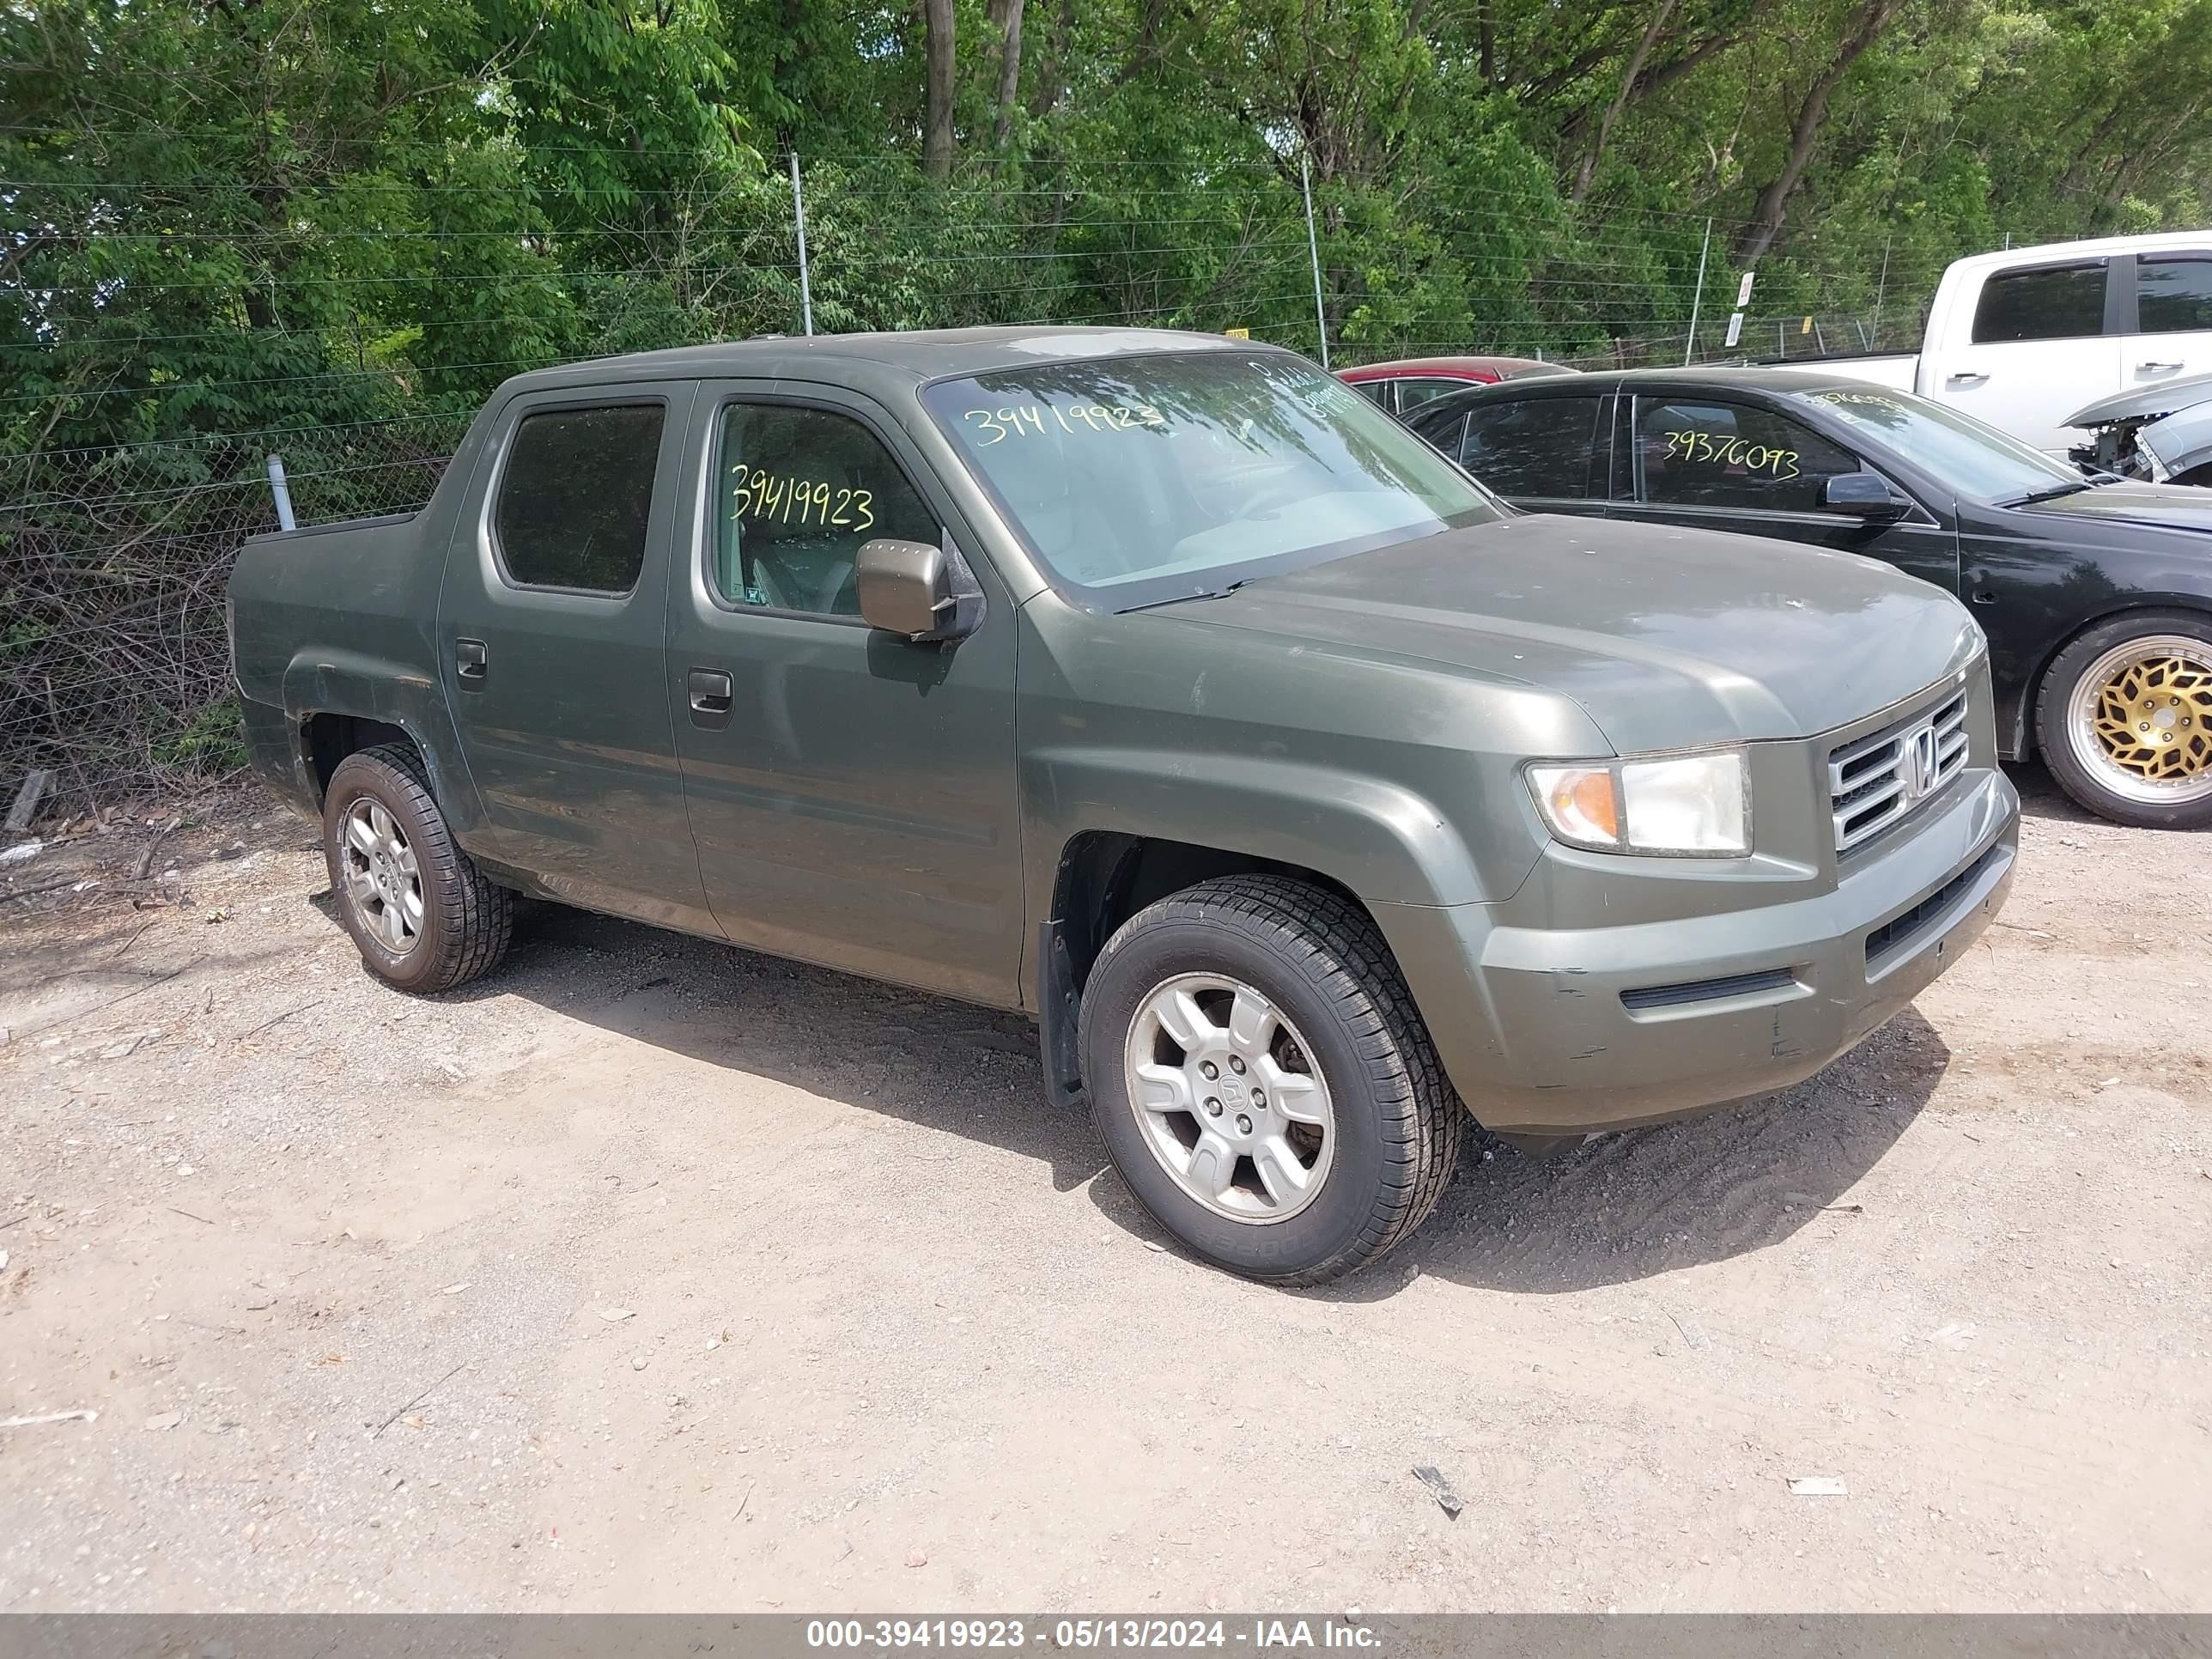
787, 500
1715, 449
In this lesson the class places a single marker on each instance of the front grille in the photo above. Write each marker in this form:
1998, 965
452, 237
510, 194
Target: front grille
1874, 781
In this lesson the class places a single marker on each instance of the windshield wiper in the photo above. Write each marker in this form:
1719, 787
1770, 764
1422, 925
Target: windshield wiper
1178, 598
2050, 495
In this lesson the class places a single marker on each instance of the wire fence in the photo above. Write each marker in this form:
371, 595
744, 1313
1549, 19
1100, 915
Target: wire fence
139, 464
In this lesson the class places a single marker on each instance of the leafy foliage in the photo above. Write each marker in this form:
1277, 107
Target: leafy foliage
234, 226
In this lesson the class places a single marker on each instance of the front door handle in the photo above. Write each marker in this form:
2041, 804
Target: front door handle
712, 695
2158, 369
1968, 377
471, 663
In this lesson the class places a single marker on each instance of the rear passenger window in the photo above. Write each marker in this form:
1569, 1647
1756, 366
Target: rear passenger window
2173, 295
2056, 302
576, 496
798, 490
1535, 446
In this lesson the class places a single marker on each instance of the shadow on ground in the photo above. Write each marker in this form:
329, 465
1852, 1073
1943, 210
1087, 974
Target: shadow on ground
1619, 1209
2040, 796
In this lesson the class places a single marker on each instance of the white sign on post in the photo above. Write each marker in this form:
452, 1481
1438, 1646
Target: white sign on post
1743, 292
1736, 329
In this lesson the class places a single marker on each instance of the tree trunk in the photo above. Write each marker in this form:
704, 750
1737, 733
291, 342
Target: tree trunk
936, 51
1612, 117
1867, 22
1009, 13
1050, 81
1486, 34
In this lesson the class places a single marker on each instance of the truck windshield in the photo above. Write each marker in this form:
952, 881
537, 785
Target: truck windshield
1146, 479
1978, 461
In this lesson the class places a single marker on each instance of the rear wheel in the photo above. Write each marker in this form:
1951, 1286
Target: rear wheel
1262, 1081
2125, 718
422, 915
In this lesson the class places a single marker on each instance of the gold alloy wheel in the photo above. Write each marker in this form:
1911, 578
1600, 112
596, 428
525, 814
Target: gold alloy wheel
2142, 719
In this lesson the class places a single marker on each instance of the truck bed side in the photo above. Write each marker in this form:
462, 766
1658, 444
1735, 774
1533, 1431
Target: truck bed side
331, 626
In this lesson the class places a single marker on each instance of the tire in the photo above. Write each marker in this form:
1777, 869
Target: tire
2123, 717
461, 921
1305, 969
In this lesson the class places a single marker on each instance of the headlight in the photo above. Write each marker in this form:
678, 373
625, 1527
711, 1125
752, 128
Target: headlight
1682, 806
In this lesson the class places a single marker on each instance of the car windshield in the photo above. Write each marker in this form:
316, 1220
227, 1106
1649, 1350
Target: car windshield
1172, 475
1975, 460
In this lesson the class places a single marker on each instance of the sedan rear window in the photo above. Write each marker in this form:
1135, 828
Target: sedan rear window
1166, 475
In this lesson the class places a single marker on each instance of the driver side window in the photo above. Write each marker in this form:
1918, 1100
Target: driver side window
797, 492
1735, 456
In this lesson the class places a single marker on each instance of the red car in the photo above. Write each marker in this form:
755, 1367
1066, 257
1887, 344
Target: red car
1404, 385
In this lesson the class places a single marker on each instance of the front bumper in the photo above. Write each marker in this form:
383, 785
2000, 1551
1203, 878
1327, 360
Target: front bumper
1569, 1031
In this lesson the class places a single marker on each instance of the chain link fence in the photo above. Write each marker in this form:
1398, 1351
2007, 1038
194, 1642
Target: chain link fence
114, 663
114, 557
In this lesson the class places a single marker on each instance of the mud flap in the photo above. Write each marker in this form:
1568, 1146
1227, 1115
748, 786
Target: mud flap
1058, 1006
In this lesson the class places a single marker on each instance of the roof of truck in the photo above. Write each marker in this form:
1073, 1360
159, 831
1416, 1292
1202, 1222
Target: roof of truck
914, 357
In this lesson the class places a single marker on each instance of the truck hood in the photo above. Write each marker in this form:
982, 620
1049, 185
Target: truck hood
1666, 637
2159, 507
2165, 398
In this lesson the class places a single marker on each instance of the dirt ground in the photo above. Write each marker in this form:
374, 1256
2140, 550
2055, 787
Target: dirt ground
647, 1274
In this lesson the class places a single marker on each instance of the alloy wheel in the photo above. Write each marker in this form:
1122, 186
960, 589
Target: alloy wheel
1227, 1099
2140, 720
383, 882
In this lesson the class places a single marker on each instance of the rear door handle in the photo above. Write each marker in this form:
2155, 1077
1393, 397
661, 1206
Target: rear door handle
2158, 369
471, 663
712, 694
1968, 377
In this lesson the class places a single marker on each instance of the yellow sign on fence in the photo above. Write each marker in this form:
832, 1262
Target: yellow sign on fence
1237, 333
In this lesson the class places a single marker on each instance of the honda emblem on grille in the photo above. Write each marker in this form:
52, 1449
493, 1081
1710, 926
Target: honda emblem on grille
1917, 765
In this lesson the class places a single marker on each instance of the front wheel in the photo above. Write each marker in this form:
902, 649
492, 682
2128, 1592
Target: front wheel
2125, 718
1263, 1080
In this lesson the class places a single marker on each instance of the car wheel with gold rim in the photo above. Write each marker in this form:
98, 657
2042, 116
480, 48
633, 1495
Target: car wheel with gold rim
2125, 716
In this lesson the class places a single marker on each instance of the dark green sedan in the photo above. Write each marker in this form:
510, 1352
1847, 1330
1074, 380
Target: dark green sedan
2096, 593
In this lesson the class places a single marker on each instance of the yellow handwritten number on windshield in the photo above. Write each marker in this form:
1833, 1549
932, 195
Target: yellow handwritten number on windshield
997, 425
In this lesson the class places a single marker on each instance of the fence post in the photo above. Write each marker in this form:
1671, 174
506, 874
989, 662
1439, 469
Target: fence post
798, 219
1697, 298
1313, 251
278, 488
1880, 289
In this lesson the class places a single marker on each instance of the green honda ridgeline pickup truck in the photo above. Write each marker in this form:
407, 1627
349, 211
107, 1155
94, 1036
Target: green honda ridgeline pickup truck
1160, 686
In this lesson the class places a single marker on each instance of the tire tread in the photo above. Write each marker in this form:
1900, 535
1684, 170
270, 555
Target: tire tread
2056, 691
477, 915
1337, 947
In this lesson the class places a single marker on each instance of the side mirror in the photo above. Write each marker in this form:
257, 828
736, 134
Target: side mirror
1863, 495
923, 592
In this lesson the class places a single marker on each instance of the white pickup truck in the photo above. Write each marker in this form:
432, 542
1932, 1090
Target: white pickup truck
2024, 338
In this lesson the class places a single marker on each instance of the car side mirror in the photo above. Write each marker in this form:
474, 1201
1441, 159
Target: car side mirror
923, 592
1863, 495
